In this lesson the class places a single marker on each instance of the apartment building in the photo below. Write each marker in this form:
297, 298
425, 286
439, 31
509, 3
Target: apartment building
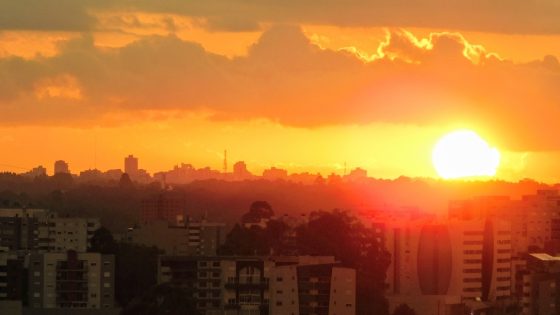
71, 280
42, 230
11, 276
263, 285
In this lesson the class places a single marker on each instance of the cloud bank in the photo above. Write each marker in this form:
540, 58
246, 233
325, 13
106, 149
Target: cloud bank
286, 79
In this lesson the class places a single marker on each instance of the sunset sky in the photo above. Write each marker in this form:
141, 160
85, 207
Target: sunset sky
302, 85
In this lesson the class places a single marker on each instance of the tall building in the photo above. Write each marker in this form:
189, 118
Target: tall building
71, 280
131, 165
255, 285
438, 265
61, 167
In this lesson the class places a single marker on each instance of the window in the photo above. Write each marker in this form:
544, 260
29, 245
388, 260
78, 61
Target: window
279, 279
279, 303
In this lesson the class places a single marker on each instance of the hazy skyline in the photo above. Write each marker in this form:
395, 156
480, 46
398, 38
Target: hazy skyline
371, 84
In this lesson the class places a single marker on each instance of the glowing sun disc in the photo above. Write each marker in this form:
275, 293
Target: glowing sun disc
463, 153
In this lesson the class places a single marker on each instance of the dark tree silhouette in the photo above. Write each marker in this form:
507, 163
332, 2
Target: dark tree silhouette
163, 299
102, 242
125, 182
259, 210
404, 309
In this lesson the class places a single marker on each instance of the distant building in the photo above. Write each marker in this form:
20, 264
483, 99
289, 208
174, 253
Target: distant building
263, 285
71, 281
191, 238
131, 165
36, 172
186, 173
170, 206
91, 175
357, 174
274, 173
61, 167
114, 174
240, 171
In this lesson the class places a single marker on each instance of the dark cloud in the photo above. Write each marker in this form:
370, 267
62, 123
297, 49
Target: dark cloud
499, 16
52, 15
284, 78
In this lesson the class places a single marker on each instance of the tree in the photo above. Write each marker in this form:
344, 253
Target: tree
258, 211
102, 242
341, 235
404, 309
125, 182
135, 272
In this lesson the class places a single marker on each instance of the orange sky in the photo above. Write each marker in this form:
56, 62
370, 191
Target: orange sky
302, 91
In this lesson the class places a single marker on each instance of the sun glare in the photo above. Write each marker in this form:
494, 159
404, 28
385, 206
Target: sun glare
463, 153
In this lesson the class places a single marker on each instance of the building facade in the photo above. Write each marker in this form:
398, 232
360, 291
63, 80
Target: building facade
71, 280
268, 285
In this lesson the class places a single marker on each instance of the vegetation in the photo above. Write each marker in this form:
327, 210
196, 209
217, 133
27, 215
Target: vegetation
404, 309
135, 266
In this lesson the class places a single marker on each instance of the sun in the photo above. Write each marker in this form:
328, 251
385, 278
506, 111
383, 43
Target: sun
463, 153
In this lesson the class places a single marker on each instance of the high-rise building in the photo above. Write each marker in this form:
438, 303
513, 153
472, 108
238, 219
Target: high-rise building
255, 285
131, 165
61, 167
71, 280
